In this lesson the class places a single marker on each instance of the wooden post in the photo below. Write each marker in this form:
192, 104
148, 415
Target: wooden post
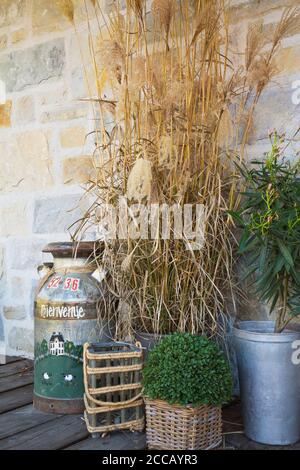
93, 381
108, 384
123, 395
137, 379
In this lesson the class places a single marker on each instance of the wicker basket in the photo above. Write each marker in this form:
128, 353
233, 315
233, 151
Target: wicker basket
175, 427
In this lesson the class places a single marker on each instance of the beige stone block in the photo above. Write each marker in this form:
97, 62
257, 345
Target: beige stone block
25, 109
21, 339
48, 16
64, 114
14, 220
57, 214
288, 59
253, 9
82, 82
81, 9
275, 109
5, 114
270, 28
53, 97
18, 287
2, 252
3, 277
78, 170
3, 41
72, 137
109, 5
14, 312
27, 164
18, 35
79, 46
78, 85
34, 144
12, 12
52, 15
25, 253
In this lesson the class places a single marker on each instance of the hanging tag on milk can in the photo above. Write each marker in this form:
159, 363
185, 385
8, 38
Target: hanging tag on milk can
99, 274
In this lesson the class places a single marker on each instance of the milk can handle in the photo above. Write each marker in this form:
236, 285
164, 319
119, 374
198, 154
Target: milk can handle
48, 266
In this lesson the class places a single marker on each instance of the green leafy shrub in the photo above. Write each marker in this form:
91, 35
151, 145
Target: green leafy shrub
188, 370
270, 219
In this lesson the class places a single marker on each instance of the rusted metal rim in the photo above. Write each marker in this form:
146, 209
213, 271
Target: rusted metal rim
56, 406
72, 249
113, 347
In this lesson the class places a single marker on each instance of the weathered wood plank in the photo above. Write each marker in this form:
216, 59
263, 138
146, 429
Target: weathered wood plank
115, 441
15, 381
21, 419
56, 434
241, 442
9, 359
15, 398
16, 368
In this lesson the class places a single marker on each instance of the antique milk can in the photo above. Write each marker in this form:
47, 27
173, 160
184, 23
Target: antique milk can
68, 309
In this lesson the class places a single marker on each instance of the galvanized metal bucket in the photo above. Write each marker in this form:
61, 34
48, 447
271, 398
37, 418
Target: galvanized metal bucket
148, 341
269, 375
68, 308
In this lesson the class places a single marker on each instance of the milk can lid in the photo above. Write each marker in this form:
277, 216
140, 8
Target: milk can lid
73, 249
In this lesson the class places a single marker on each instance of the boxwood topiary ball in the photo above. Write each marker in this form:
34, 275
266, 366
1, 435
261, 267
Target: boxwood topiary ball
189, 370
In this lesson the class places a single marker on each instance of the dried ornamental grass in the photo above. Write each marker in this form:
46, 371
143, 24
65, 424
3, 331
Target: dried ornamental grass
178, 114
163, 12
139, 182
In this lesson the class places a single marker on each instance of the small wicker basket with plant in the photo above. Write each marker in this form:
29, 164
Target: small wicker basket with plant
186, 380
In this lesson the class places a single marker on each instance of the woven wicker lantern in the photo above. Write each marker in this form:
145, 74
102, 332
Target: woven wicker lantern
113, 387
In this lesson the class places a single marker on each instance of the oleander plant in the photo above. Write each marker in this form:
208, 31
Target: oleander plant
270, 220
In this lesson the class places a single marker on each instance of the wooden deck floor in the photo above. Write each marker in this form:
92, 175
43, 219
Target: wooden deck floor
23, 427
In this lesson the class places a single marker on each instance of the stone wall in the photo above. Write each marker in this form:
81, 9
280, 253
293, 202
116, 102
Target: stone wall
45, 158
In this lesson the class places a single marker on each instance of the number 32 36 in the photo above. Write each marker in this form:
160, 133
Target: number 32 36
70, 283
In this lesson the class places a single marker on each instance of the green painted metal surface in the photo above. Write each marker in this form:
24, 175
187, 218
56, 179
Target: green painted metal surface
65, 318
